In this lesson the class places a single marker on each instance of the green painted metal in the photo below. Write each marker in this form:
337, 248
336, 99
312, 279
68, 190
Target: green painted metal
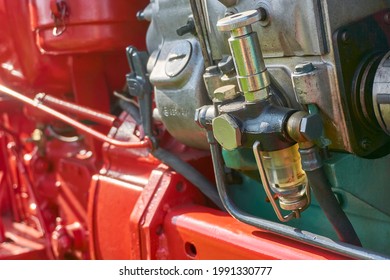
240, 159
361, 185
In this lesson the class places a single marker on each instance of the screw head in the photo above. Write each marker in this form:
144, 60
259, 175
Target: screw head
226, 65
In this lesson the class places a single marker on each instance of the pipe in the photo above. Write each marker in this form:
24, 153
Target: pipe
326, 199
276, 228
200, 26
190, 173
44, 227
2, 191
87, 130
81, 111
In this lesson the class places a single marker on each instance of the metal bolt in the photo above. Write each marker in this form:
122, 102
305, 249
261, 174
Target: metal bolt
311, 127
145, 14
226, 65
189, 27
345, 37
227, 92
303, 68
212, 70
135, 89
365, 144
140, 15
227, 132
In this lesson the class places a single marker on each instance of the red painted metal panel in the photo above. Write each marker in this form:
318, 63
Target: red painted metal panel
198, 232
90, 26
111, 203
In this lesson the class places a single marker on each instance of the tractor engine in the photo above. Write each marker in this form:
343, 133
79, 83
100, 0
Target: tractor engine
194, 129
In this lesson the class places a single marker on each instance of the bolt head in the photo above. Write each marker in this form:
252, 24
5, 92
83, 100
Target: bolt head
311, 127
227, 132
305, 67
226, 65
227, 92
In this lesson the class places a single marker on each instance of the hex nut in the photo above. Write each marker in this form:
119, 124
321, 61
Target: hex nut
204, 115
227, 132
311, 127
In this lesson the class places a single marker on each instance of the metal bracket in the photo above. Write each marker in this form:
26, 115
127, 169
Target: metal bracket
140, 87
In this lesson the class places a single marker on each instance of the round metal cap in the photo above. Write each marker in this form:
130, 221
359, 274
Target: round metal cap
238, 20
178, 58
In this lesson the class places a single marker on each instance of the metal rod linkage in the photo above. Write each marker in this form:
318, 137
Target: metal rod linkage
146, 143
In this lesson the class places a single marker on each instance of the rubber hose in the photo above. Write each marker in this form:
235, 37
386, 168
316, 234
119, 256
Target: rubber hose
190, 173
326, 199
131, 109
177, 164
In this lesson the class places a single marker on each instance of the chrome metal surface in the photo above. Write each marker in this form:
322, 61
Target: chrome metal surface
252, 75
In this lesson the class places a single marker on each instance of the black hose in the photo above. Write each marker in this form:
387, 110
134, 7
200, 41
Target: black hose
177, 164
276, 228
326, 199
190, 173
131, 109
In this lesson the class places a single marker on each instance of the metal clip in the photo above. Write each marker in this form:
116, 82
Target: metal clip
59, 13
